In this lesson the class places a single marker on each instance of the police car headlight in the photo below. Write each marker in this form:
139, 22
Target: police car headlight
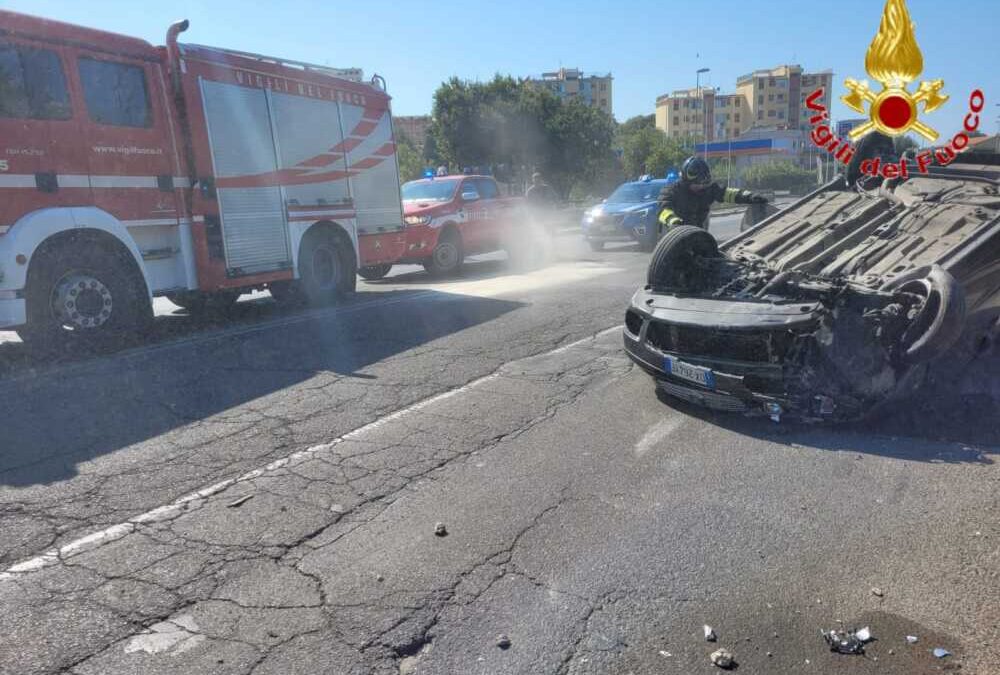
417, 220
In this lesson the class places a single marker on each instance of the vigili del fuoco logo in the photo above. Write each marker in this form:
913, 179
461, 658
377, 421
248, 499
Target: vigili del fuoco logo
894, 60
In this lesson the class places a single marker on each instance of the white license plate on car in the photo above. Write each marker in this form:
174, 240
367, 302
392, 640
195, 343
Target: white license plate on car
685, 371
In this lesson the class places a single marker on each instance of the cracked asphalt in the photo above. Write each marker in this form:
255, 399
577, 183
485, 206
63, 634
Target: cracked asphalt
262, 498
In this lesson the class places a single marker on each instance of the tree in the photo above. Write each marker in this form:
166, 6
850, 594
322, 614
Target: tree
634, 124
904, 143
517, 124
777, 175
411, 166
648, 150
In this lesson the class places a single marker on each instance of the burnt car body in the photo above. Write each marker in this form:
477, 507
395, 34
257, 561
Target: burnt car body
832, 307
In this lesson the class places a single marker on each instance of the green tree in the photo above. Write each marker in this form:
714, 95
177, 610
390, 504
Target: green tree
904, 143
777, 175
634, 124
649, 150
411, 166
516, 124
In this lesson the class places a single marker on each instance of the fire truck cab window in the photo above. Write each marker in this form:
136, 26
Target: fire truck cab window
32, 84
115, 93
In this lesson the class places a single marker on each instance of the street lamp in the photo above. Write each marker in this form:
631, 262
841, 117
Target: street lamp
699, 106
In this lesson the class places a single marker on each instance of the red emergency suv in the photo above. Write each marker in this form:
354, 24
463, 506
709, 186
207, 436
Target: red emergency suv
450, 217
129, 171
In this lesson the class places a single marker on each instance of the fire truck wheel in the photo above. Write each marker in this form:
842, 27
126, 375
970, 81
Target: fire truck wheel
84, 295
374, 272
327, 266
201, 303
447, 256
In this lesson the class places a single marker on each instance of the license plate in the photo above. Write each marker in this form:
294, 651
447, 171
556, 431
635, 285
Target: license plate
686, 371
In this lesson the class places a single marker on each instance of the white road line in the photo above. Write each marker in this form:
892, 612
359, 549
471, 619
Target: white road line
117, 531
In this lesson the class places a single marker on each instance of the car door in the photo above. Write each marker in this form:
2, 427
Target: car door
493, 214
133, 163
471, 215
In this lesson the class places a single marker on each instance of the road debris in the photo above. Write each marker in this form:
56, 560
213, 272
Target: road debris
940, 652
723, 659
911, 639
710, 635
440, 530
239, 501
503, 642
877, 592
665, 654
847, 642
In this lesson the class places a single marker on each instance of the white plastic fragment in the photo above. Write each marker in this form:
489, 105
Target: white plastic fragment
710, 635
865, 634
940, 652
911, 639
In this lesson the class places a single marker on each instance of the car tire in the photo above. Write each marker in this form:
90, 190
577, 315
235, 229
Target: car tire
327, 266
941, 321
674, 264
196, 302
595, 246
84, 296
447, 256
374, 272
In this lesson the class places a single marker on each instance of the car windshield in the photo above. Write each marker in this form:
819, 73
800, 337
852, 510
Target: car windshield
429, 190
635, 193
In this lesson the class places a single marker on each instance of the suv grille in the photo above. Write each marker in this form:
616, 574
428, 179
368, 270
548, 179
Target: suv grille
756, 346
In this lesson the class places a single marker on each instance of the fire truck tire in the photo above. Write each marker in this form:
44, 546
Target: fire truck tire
447, 256
374, 272
327, 265
201, 303
85, 295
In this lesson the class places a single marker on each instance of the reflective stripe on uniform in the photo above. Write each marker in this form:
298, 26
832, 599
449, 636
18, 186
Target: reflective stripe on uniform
668, 217
731, 195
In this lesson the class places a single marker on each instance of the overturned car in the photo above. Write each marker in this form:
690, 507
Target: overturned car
832, 307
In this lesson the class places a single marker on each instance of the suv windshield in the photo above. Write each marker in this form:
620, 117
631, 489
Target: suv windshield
429, 191
636, 193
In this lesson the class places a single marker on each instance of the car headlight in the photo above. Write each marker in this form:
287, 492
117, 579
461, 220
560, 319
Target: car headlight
417, 220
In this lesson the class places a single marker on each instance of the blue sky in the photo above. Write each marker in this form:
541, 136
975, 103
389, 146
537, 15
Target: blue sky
650, 47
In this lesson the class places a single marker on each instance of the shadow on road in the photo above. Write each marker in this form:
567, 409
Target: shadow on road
55, 420
943, 428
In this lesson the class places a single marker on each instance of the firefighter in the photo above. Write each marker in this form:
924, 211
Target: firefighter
688, 200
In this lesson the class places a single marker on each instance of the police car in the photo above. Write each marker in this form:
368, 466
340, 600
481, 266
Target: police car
629, 214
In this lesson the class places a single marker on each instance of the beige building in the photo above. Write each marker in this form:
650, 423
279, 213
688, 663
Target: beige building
570, 83
777, 96
764, 98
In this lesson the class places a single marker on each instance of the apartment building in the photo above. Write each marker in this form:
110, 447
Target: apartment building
570, 83
765, 98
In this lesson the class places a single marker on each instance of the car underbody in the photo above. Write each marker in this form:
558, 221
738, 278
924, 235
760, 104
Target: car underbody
830, 308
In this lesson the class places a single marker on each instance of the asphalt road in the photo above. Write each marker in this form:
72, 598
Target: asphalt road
261, 495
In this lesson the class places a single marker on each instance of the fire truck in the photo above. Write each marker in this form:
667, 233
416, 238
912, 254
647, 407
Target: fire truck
129, 171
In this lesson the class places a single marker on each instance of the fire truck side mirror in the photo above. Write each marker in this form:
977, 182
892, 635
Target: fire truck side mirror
207, 186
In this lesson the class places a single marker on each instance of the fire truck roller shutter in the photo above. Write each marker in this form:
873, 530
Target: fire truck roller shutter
375, 179
308, 133
32, 229
254, 227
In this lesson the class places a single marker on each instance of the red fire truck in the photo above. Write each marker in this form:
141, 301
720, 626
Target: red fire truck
129, 171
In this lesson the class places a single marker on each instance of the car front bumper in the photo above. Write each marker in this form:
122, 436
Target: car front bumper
748, 380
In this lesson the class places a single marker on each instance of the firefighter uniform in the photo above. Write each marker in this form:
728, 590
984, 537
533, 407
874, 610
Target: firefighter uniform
679, 204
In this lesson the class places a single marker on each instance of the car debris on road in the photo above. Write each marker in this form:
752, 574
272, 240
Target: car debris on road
723, 659
710, 635
847, 642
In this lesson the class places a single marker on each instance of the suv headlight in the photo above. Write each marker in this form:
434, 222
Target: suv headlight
417, 220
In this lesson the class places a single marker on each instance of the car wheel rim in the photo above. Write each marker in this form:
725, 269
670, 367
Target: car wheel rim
81, 301
446, 255
325, 267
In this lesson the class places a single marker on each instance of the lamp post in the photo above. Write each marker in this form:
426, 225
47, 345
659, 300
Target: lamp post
699, 106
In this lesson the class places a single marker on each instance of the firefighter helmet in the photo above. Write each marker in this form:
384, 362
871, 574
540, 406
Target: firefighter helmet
695, 170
